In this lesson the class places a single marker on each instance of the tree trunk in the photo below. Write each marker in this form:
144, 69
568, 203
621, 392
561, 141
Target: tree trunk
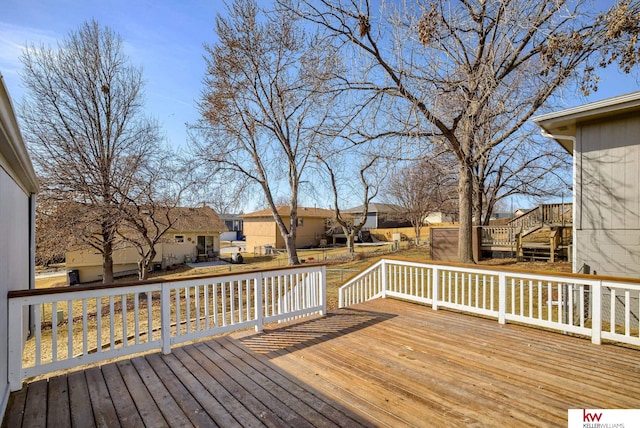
478, 196
142, 269
107, 262
350, 242
143, 264
465, 189
290, 243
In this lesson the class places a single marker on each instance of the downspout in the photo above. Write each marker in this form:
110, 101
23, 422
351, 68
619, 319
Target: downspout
574, 251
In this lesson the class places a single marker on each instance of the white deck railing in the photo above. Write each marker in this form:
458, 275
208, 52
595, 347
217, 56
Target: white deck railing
73, 326
597, 307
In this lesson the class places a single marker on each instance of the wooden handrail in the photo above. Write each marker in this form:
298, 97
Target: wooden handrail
179, 310
550, 300
65, 288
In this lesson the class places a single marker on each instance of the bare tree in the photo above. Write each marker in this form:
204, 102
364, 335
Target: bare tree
370, 177
83, 122
458, 66
424, 187
224, 191
266, 96
150, 207
52, 232
524, 165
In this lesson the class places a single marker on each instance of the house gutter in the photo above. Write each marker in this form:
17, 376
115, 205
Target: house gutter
558, 137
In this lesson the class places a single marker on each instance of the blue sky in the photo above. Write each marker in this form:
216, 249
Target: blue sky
165, 37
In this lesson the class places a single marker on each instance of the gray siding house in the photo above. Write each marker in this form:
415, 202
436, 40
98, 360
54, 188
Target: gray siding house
604, 139
380, 215
18, 186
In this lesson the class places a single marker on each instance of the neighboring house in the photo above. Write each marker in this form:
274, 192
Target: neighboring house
194, 237
234, 224
604, 138
261, 230
439, 217
380, 216
18, 186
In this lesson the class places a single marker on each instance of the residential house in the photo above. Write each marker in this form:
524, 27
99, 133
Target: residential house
18, 187
194, 237
262, 232
234, 225
439, 217
380, 216
604, 139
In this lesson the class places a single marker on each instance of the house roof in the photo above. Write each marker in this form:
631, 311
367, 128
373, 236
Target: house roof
562, 125
185, 219
200, 219
285, 211
376, 207
12, 146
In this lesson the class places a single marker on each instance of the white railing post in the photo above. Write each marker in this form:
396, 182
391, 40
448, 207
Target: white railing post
435, 288
165, 317
383, 278
502, 298
323, 290
15, 342
596, 313
257, 295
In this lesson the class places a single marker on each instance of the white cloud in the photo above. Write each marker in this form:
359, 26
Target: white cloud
13, 39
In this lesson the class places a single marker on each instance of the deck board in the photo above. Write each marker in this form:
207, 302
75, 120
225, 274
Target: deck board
58, 413
191, 407
141, 396
125, 407
35, 415
381, 363
103, 409
79, 401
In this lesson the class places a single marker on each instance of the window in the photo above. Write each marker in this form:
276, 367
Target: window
300, 222
179, 239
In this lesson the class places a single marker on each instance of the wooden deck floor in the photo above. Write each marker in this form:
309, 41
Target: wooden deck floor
383, 363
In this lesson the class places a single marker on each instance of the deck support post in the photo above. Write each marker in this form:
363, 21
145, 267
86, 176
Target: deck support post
15, 342
502, 298
257, 295
435, 288
323, 290
165, 317
383, 279
596, 313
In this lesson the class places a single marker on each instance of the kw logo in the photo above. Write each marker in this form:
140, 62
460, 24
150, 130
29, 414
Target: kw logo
590, 417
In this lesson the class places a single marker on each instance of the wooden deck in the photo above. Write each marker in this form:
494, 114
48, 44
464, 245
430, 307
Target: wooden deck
383, 363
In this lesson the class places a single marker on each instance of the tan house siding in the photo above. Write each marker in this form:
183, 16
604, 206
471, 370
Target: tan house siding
311, 231
261, 229
260, 232
88, 262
